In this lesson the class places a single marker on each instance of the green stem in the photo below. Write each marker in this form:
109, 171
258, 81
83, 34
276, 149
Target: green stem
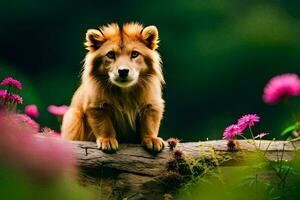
289, 108
9, 88
59, 120
243, 137
281, 160
251, 133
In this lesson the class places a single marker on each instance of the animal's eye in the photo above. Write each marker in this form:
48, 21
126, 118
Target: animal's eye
111, 55
134, 54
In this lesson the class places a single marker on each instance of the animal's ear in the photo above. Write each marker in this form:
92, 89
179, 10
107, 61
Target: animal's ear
150, 37
93, 39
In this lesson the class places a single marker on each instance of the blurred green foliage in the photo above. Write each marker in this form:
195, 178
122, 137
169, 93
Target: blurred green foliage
257, 178
217, 54
16, 185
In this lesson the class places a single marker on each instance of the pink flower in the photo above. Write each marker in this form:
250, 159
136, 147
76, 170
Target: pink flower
58, 110
247, 120
32, 111
10, 97
3, 94
231, 131
173, 142
261, 135
41, 157
28, 121
178, 154
281, 86
16, 98
12, 81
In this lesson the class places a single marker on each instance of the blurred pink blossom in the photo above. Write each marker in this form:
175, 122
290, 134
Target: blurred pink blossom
12, 81
281, 86
58, 110
261, 135
231, 131
32, 111
247, 120
41, 157
3, 94
28, 121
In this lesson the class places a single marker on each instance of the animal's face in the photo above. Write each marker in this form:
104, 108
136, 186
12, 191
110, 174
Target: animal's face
124, 64
124, 56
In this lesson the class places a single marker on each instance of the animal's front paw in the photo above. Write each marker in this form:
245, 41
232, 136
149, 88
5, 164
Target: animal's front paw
107, 144
154, 144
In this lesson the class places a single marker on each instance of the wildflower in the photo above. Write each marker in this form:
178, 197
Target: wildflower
15, 98
178, 154
12, 81
28, 121
173, 142
281, 86
4, 95
248, 120
58, 110
32, 111
231, 131
261, 135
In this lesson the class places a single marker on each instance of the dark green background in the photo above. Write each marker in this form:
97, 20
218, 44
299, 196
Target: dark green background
217, 55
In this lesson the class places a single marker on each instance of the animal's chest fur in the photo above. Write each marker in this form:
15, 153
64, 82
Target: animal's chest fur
126, 114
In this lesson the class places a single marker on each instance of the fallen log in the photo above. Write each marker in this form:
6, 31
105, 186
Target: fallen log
134, 173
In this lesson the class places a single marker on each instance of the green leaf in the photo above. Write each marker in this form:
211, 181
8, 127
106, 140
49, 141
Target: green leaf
290, 129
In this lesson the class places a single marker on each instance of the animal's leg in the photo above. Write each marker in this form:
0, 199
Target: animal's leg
149, 127
101, 124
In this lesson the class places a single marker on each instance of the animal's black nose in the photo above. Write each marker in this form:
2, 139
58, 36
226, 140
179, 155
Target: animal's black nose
123, 73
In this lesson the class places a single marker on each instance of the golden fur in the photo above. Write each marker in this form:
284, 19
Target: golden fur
105, 108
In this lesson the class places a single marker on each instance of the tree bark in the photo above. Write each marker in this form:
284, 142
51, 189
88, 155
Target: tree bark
134, 173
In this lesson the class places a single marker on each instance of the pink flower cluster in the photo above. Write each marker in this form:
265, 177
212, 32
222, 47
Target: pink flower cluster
6, 96
41, 157
281, 86
231, 131
247, 120
9, 101
15, 98
237, 129
11, 81
178, 154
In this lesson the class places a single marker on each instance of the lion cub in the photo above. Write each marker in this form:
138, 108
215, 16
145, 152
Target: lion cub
120, 96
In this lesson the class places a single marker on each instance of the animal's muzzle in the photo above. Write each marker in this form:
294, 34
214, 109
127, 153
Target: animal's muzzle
123, 72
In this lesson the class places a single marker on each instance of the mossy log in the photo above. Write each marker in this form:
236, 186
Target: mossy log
134, 173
